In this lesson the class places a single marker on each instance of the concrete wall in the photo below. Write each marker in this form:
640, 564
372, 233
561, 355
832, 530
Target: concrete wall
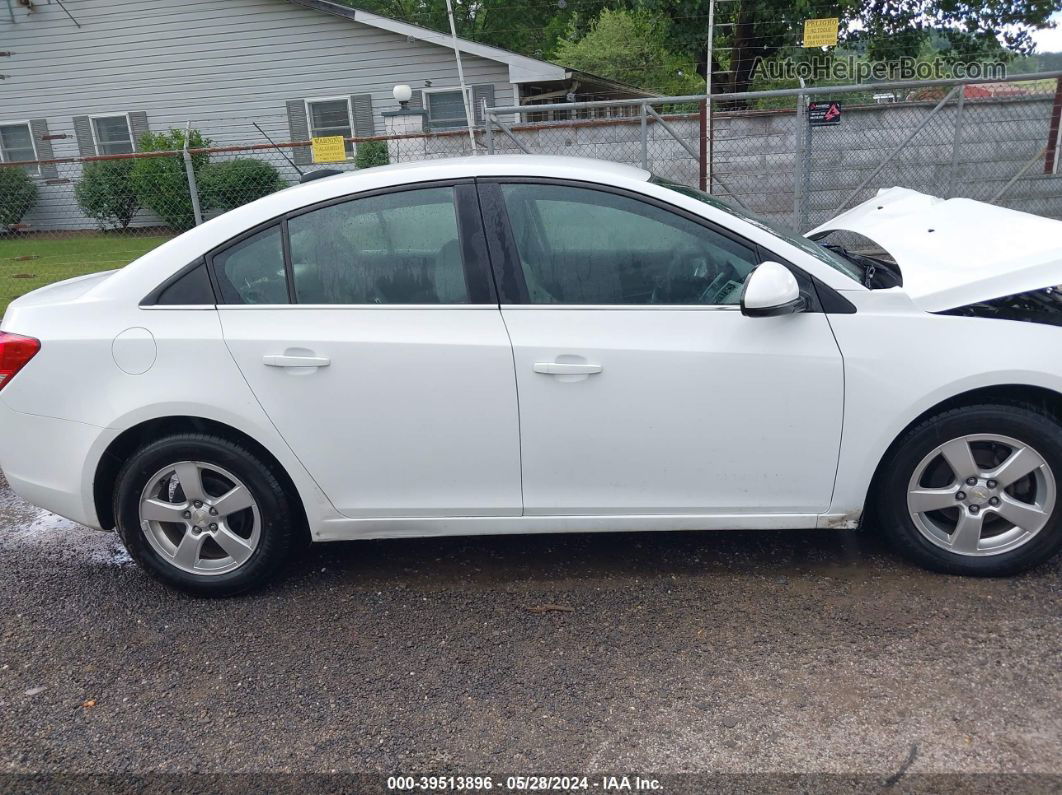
755, 161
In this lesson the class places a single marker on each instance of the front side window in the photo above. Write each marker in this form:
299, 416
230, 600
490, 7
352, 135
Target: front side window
112, 135
252, 271
16, 144
330, 117
446, 109
585, 246
799, 241
396, 248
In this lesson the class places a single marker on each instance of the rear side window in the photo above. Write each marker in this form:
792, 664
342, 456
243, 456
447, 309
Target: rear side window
191, 289
252, 271
395, 248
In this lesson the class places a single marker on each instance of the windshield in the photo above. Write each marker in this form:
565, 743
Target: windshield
819, 252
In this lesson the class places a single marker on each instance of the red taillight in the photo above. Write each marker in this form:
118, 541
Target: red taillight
15, 353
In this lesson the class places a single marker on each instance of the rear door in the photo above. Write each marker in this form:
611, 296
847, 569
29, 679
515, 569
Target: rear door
369, 331
643, 389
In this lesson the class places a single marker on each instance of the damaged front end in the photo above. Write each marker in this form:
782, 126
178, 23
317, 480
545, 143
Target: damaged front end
1034, 306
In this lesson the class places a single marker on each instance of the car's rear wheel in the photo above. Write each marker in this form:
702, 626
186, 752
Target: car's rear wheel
203, 514
976, 491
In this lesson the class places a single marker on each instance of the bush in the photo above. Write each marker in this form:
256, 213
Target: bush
371, 153
233, 183
160, 182
18, 193
106, 193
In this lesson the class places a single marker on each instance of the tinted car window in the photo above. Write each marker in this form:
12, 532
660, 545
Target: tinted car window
252, 271
584, 246
396, 248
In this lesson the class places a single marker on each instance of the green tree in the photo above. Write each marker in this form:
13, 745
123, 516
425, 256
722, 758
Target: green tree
161, 183
631, 47
105, 193
532, 28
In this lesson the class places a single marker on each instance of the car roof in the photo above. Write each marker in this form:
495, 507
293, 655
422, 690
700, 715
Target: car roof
161, 262
583, 168
450, 168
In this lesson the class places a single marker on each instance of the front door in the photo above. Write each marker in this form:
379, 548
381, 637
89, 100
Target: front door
369, 332
642, 387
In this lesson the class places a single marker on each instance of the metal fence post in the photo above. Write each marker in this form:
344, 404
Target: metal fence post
956, 142
189, 172
644, 119
798, 161
488, 117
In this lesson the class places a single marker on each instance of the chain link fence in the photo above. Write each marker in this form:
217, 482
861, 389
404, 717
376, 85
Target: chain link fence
775, 154
68, 216
992, 141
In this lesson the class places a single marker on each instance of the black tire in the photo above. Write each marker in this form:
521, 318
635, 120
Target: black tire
1025, 424
278, 531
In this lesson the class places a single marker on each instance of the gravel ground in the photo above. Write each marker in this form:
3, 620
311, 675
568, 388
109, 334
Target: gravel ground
736, 652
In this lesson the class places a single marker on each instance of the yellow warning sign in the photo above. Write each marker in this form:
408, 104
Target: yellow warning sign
821, 32
329, 149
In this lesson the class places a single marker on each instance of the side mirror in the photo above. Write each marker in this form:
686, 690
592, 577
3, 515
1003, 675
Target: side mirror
771, 289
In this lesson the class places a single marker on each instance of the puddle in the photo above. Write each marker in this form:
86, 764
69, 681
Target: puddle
26, 528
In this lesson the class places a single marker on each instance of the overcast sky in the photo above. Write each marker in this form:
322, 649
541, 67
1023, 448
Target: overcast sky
1050, 40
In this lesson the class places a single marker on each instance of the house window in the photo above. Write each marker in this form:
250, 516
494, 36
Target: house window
445, 109
16, 144
113, 136
330, 117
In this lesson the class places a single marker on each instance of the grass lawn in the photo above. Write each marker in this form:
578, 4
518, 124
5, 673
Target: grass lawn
29, 262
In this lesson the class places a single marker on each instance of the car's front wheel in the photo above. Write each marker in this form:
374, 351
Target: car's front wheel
976, 491
203, 514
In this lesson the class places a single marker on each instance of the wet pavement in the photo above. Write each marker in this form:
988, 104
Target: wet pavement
780, 651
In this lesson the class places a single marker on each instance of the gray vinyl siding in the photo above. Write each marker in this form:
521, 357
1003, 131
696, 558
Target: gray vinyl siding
223, 64
219, 65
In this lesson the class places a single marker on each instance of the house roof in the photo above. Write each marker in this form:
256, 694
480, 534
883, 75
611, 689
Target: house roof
521, 68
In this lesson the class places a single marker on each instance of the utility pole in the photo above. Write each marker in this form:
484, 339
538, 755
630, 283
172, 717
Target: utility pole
708, 100
470, 118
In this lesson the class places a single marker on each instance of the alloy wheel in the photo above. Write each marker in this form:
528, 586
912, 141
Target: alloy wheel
982, 494
200, 518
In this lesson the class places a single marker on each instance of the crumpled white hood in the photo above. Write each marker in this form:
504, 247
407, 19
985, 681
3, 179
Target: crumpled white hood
954, 252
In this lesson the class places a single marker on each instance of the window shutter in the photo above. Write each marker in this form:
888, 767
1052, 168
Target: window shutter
39, 131
138, 125
361, 105
482, 92
300, 131
83, 131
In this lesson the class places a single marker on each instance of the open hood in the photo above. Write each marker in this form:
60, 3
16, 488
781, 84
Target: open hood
954, 252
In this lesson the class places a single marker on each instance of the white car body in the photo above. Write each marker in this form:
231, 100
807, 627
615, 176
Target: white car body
454, 419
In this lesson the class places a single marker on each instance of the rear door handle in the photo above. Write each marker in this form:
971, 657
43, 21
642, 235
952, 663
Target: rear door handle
562, 368
281, 360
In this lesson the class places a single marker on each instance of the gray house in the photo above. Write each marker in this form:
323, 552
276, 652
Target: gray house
87, 77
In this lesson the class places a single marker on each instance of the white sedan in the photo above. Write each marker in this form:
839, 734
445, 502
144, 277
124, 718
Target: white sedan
532, 344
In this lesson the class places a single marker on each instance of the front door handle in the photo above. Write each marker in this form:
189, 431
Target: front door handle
282, 360
564, 368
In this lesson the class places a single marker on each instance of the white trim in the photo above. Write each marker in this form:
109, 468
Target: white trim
95, 138
521, 68
445, 90
309, 118
29, 127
